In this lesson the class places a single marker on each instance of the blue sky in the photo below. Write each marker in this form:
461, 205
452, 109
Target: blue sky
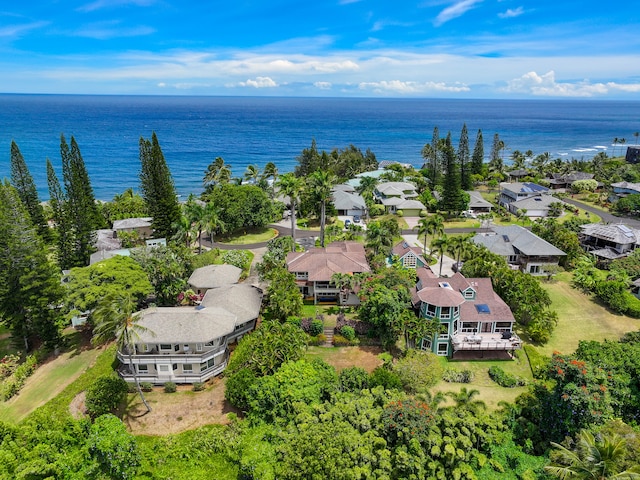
384, 48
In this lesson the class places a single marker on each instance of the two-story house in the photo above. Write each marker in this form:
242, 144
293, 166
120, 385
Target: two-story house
315, 268
191, 344
609, 241
472, 317
521, 248
399, 196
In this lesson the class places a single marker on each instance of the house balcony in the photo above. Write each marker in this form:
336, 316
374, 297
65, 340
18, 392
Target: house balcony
160, 378
171, 356
485, 341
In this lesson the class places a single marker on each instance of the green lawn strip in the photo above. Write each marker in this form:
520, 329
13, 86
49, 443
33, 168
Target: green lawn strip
40, 393
581, 317
490, 392
250, 236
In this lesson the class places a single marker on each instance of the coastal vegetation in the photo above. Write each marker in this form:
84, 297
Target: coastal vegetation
312, 412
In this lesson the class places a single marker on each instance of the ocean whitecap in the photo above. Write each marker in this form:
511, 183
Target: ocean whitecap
584, 150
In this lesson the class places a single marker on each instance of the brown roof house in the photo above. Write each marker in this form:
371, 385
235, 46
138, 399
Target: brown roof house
315, 267
472, 316
190, 344
408, 256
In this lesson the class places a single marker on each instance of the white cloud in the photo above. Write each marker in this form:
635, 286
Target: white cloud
108, 30
546, 85
399, 86
323, 85
18, 30
454, 11
100, 4
511, 13
259, 82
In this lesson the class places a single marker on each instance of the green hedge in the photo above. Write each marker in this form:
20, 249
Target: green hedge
11, 385
505, 379
538, 362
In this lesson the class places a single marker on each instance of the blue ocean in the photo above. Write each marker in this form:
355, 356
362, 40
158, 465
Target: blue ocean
255, 130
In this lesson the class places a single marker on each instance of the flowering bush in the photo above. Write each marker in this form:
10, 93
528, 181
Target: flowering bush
360, 327
237, 258
406, 419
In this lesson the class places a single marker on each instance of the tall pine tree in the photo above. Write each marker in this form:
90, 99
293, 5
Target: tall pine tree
63, 231
477, 159
432, 156
463, 159
496, 163
157, 188
81, 209
453, 200
30, 288
23, 182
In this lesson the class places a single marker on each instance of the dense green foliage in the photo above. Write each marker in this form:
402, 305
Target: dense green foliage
157, 187
241, 207
105, 395
30, 290
343, 164
87, 286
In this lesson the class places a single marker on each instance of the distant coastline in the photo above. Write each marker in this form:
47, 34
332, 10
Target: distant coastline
255, 130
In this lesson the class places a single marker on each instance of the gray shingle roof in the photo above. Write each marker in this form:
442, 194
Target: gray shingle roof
617, 233
539, 202
221, 310
347, 201
504, 239
139, 222
476, 200
214, 276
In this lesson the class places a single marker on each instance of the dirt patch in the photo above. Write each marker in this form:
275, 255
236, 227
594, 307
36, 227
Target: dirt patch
177, 412
77, 407
343, 357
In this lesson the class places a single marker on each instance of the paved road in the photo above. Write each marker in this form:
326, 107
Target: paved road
605, 216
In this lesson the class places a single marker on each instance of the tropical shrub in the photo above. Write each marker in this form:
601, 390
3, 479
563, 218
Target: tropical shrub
505, 379
316, 328
146, 386
237, 388
360, 327
237, 258
170, 387
198, 387
385, 378
453, 375
418, 371
317, 340
105, 395
348, 332
539, 363
353, 379
12, 384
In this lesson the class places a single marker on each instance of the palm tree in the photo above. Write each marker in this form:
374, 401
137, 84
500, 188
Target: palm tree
217, 172
433, 225
195, 213
183, 229
464, 399
271, 172
459, 245
366, 188
440, 245
379, 237
321, 182
591, 458
615, 142
252, 174
116, 317
291, 186
211, 220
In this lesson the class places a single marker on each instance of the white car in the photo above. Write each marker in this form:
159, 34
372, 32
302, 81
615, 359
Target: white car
468, 214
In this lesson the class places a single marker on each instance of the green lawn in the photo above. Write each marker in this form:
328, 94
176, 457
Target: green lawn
249, 236
48, 381
581, 317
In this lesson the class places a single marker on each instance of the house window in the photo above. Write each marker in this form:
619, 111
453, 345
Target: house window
456, 312
176, 348
455, 327
445, 312
444, 330
187, 368
443, 349
469, 327
145, 347
143, 368
534, 269
431, 310
302, 275
165, 346
512, 258
469, 293
426, 344
409, 261
175, 366
163, 368
199, 347
503, 327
